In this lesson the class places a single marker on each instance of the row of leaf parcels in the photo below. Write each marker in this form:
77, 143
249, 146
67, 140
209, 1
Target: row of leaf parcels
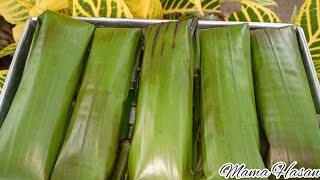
162, 140
91, 144
32, 133
284, 99
230, 132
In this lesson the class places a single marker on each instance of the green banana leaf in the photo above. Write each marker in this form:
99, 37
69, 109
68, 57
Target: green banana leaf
199, 171
121, 168
131, 101
284, 100
230, 132
162, 139
32, 133
196, 101
91, 144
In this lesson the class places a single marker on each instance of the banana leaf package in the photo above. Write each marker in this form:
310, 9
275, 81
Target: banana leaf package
230, 132
284, 99
91, 144
32, 133
162, 139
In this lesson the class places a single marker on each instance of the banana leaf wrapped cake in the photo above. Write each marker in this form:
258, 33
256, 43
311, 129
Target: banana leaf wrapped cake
162, 141
284, 101
32, 133
91, 144
230, 132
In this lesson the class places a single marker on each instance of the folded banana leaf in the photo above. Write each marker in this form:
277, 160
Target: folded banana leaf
121, 168
32, 133
199, 172
284, 100
91, 144
230, 132
132, 99
162, 139
196, 103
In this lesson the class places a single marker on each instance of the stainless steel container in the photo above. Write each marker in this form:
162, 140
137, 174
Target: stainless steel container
20, 57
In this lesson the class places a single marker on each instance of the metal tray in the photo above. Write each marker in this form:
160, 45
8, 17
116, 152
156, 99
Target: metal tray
20, 57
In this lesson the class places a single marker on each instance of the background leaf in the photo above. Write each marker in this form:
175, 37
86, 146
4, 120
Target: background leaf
294, 15
18, 11
198, 5
264, 2
146, 9
27, 3
65, 12
182, 16
3, 75
43, 5
253, 12
101, 8
8, 50
13, 11
70, 6
17, 31
309, 19
210, 6
182, 7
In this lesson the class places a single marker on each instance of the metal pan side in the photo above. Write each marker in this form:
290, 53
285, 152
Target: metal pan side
309, 68
16, 69
113, 22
